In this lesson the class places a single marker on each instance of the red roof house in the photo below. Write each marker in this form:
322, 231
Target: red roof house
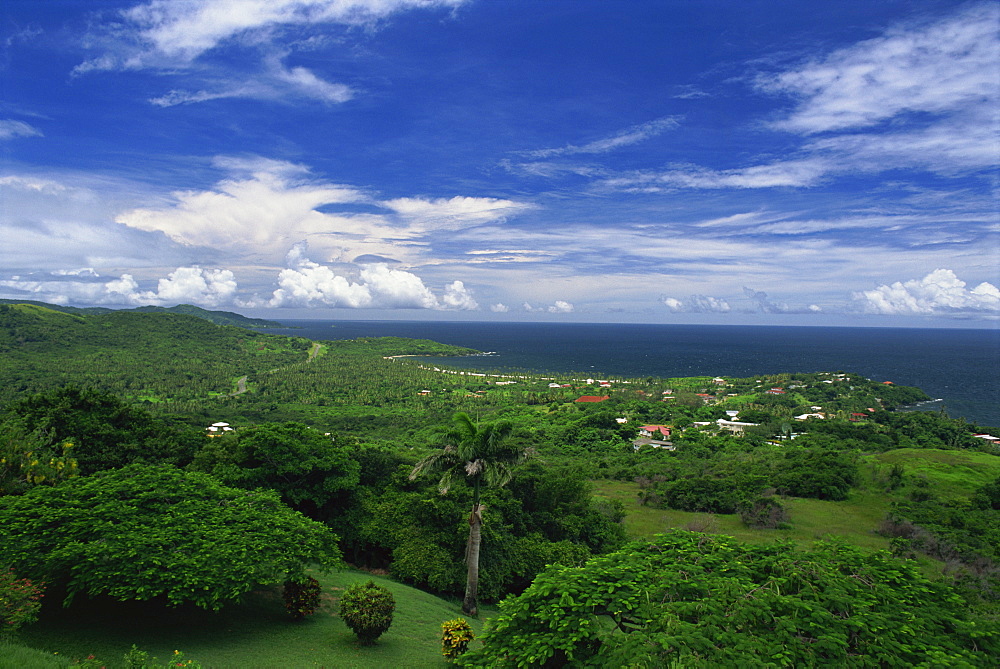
593, 398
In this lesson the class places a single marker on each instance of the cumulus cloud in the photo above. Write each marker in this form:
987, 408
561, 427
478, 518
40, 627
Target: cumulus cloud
194, 285
264, 206
697, 304
308, 284
457, 296
9, 129
499, 308
262, 210
559, 307
940, 292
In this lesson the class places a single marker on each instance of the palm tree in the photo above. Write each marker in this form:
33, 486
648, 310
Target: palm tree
482, 454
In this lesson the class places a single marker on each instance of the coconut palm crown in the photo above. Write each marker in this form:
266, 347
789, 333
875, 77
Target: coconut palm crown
481, 454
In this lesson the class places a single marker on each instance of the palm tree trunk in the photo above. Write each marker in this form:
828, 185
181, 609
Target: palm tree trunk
470, 605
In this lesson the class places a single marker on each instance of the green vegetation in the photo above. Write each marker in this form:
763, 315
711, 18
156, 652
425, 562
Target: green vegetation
105, 415
711, 601
217, 317
154, 531
367, 609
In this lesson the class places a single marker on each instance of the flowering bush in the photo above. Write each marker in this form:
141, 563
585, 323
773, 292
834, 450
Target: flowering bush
455, 637
301, 597
139, 659
20, 601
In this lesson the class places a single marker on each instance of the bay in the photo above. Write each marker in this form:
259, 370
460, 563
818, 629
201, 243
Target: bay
958, 367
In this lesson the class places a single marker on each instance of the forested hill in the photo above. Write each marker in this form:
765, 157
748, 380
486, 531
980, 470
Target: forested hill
130, 353
217, 317
160, 357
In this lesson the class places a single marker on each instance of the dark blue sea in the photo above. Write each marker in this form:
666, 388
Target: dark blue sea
960, 368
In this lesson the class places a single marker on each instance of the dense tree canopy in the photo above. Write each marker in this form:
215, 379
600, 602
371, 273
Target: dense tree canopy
708, 600
106, 431
306, 467
148, 531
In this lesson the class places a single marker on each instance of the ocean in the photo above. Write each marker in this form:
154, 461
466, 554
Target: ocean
959, 368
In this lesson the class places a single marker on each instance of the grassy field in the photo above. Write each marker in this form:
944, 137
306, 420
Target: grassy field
947, 473
256, 633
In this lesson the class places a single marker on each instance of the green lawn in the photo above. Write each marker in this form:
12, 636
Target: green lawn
256, 633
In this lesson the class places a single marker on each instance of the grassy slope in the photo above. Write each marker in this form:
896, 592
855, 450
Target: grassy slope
949, 473
256, 633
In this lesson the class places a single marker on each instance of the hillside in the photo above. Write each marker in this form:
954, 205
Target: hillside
153, 356
217, 317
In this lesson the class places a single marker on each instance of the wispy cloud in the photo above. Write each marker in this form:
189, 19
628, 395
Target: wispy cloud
937, 67
177, 39
627, 137
9, 129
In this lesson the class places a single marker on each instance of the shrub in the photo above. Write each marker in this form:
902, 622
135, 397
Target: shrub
367, 609
455, 637
19, 602
763, 513
301, 597
140, 659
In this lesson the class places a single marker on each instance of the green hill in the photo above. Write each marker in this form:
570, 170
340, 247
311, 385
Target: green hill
155, 356
217, 317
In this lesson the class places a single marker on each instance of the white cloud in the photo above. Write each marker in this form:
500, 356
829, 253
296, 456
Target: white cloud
264, 211
457, 296
453, 213
171, 34
194, 285
697, 304
627, 137
788, 173
9, 129
561, 307
308, 284
397, 289
940, 292
274, 82
938, 68
499, 308
182, 31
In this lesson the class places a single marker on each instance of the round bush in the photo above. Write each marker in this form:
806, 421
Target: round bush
367, 609
302, 597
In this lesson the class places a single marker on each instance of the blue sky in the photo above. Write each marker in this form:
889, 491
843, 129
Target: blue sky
668, 161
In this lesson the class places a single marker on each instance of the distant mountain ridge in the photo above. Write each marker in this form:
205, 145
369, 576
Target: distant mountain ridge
217, 317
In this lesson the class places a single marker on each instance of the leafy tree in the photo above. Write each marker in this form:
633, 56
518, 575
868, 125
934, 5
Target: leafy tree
690, 599
31, 458
367, 609
148, 531
482, 454
107, 432
307, 468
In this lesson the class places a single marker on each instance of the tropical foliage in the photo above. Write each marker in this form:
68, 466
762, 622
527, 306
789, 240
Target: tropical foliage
700, 600
367, 609
147, 531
